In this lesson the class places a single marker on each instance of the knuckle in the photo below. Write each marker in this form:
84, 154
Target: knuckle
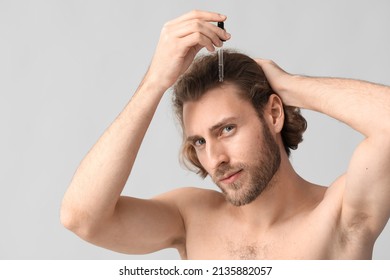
195, 12
168, 23
197, 24
198, 36
165, 28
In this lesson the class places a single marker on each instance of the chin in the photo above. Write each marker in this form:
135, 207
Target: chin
243, 199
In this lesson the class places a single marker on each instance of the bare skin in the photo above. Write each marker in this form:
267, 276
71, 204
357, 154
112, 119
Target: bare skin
291, 219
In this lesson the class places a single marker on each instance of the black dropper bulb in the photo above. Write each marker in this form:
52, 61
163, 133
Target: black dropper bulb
221, 25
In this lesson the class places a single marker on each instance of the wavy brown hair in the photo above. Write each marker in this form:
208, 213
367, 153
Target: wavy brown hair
247, 75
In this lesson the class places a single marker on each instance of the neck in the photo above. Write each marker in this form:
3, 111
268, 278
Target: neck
285, 196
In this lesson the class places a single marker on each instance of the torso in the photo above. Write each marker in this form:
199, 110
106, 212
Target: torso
215, 230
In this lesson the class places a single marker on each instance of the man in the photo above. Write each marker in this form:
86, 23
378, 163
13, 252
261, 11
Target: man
266, 210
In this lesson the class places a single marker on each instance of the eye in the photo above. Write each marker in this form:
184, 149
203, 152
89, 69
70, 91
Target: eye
199, 142
228, 128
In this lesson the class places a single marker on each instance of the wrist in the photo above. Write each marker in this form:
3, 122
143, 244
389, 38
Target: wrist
303, 92
288, 90
153, 83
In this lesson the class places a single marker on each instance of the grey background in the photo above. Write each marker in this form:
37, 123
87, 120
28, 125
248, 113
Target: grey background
67, 68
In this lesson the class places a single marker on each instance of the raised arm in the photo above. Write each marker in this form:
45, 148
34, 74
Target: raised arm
365, 107
93, 207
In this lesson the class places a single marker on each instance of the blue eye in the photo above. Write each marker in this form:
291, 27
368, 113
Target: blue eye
199, 142
228, 128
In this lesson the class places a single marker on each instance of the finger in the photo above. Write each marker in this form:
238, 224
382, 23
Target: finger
262, 61
266, 63
198, 39
216, 34
270, 66
197, 14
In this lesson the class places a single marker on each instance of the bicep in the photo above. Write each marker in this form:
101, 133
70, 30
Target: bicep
141, 226
367, 185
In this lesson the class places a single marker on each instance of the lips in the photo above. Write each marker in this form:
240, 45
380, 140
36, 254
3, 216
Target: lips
230, 177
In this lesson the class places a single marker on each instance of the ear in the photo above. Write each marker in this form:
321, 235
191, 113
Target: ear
275, 113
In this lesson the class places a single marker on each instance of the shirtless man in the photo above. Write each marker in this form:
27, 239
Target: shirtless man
290, 219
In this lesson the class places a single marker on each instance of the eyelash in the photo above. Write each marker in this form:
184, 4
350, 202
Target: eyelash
196, 143
228, 126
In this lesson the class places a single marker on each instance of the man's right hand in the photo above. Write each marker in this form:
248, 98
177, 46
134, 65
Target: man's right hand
180, 40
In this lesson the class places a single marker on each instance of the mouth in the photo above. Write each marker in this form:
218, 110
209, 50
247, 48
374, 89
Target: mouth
231, 177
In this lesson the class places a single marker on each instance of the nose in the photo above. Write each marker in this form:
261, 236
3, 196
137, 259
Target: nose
216, 155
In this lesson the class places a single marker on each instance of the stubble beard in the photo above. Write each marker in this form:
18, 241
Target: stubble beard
255, 178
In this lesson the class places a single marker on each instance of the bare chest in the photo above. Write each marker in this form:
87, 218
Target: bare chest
303, 239
249, 246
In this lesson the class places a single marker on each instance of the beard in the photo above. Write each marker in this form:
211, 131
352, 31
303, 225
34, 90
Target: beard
254, 178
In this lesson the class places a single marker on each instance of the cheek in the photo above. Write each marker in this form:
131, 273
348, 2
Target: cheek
201, 156
245, 146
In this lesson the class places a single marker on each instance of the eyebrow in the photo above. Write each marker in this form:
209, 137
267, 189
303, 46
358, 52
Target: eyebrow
222, 123
215, 127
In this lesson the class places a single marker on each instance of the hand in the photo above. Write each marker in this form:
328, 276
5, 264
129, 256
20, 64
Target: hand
180, 40
280, 80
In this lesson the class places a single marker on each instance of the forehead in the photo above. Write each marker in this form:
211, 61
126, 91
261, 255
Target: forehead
216, 104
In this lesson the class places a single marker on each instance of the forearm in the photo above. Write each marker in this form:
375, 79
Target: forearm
363, 106
102, 174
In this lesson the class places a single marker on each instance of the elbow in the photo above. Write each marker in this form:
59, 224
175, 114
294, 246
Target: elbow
77, 223
67, 219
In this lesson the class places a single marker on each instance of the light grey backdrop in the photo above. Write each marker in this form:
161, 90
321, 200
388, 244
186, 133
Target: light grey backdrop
67, 68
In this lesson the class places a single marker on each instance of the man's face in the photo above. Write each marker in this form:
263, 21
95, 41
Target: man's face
233, 145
